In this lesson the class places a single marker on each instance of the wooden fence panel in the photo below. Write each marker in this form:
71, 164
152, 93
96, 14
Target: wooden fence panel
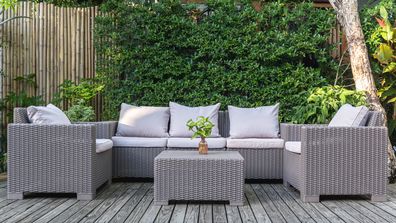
56, 44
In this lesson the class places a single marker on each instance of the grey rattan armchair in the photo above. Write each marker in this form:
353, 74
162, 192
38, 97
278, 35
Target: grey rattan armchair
337, 160
56, 158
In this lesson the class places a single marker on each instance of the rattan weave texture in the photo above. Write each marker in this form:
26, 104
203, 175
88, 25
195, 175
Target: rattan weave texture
54, 159
337, 160
186, 175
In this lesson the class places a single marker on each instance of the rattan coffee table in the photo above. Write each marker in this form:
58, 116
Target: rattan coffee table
187, 175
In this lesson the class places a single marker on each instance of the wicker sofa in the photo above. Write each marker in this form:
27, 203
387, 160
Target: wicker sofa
336, 160
133, 157
57, 158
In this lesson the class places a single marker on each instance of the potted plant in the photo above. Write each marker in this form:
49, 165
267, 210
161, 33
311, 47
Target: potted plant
202, 127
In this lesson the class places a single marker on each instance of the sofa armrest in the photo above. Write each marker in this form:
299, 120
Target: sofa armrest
39, 154
344, 160
292, 132
104, 129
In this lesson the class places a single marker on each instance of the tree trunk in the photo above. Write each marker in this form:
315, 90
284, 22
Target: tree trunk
348, 16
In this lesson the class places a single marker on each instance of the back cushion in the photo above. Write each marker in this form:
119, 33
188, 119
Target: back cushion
143, 121
350, 116
180, 114
49, 114
260, 122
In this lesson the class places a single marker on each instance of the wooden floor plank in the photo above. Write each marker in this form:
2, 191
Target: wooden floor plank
219, 213
179, 213
70, 212
133, 202
116, 206
56, 211
44, 210
267, 204
318, 211
23, 205
233, 214
108, 202
165, 214
336, 209
151, 214
364, 211
110, 192
141, 208
192, 213
375, 209
129, 206
31, 210
292, 204
246, 212
254, 202
205, 213
279, 203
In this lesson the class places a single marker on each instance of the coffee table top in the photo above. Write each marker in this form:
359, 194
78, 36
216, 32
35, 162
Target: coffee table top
194, 155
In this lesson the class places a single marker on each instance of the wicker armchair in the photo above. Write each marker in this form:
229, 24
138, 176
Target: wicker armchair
337, 160
56, 158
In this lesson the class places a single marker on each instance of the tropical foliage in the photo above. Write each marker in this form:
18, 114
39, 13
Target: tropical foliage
324, 102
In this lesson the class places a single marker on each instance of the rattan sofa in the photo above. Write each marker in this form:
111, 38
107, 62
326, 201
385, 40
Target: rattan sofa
137, 161
56, 158
337, 160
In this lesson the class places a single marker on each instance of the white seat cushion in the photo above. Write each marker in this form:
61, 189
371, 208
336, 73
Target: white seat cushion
103, 145
293, 146
349, 116
214, 143
121, 141
254, 143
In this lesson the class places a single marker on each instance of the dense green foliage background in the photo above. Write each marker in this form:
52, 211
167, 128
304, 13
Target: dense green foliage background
229, 53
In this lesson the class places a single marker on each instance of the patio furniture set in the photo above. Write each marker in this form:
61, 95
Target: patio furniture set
48, 154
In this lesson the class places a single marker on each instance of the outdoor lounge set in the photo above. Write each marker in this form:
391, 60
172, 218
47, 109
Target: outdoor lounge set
48, 154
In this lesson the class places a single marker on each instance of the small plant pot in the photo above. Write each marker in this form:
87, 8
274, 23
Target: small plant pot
203, 147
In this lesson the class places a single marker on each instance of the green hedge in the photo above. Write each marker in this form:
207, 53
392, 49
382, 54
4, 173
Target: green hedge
230, 53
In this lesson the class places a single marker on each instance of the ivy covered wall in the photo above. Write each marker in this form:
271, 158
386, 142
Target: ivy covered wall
222, 52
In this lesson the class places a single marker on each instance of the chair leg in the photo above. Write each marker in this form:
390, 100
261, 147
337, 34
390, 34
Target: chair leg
310, 198
286, 184
85, 196
378, 198
15, 196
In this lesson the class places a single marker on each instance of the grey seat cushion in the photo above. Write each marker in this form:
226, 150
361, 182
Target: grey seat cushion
214, 143
102, 145
293, 146
122, 141
143, 121
49, 114
180, 114
260, 122
255, 143
350, 116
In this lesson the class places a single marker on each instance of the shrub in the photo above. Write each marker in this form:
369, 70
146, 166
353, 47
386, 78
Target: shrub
80, 112
324, 102
153, 53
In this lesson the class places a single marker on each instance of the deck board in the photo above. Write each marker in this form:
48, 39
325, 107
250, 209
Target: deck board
133, 202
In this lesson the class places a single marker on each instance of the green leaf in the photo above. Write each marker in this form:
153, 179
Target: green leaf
384, 53
384, 13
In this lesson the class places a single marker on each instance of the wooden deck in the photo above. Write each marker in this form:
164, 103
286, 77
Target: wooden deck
133, 202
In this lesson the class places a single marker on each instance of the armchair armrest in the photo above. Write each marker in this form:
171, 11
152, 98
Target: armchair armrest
292, 132
51, 158
104, 129
344, 160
